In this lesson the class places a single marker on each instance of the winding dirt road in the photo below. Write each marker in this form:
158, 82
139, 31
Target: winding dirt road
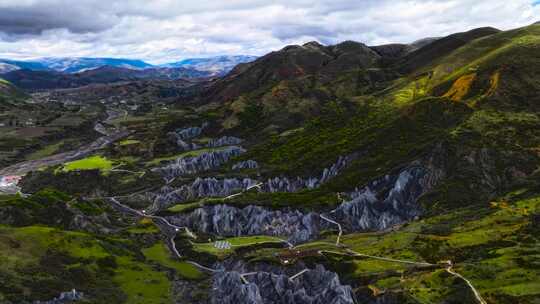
165, 226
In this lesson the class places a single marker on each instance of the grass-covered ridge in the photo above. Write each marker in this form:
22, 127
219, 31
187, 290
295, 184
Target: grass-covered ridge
160, 254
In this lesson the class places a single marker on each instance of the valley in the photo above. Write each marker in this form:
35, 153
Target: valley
404, 173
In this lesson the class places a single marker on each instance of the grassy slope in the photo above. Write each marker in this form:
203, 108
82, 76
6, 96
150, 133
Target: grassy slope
46, 261
41, 258
236, 243
160, 254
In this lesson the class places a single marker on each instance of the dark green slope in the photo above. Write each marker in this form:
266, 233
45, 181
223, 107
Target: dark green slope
441, 47
9, 94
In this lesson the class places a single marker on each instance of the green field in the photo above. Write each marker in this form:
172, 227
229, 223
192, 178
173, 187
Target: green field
60, 260
89, 163
236, 242
159, 254
45, 151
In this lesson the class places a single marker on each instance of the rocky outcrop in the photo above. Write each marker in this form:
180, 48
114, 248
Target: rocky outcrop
190, 132
185, 146
203, 162
201, 187
230, 221
392, 199
245, 164
100, 128
315, 286
285, 184
212, 187
180, 137
224, 141
384, 202
65, 297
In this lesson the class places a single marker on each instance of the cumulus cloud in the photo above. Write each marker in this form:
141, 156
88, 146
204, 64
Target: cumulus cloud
165, 30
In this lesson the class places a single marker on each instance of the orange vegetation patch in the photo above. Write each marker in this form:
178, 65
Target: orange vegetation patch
493, 83
461, 87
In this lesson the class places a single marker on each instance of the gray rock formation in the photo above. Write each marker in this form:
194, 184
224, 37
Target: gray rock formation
392, 199
285, 184
180, 136
190, 132
224, 141
230, 221
203, 162
382, 203
245, 164
315, 286
385, 202
211, 187
100, 128
200, 188
187, 146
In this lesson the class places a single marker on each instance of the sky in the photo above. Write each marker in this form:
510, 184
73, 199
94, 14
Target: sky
161, 31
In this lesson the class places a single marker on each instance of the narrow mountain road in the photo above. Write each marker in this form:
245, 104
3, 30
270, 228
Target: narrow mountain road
165, 226
258, 186
475, 292
335, 223
244, 275
448, 268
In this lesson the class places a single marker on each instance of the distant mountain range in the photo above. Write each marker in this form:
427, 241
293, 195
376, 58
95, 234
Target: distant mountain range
211, 66
35, 80
215, 65
61, 73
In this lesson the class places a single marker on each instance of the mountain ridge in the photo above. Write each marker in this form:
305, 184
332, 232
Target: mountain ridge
216, 65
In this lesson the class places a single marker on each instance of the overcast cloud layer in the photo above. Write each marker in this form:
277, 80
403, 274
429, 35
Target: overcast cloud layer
168, 30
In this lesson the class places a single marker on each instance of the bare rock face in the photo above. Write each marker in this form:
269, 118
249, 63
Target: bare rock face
203, 162
384, 202
211, 187
315, 286
230, 221
392, 199
285, 184
187, 146
200, 188
190, 132
224, 141
181, 136
246, 164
